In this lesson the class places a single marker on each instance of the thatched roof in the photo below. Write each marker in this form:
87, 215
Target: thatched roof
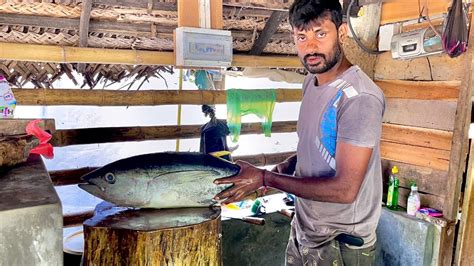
125, 24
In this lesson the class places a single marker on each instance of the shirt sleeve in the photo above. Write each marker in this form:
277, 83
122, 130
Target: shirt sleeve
360, 121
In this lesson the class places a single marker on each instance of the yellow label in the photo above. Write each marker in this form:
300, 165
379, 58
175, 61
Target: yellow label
390, 196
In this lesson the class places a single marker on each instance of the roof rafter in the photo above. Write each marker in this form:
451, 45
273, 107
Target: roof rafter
270, 28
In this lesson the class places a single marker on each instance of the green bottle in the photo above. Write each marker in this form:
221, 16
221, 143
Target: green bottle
392, 196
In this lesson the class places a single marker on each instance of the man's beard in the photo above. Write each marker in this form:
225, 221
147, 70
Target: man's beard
325, 64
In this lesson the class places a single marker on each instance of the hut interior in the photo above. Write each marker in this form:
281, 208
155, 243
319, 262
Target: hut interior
96, 43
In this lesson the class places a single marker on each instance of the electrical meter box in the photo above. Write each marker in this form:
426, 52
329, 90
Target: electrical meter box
206, 48
417, 43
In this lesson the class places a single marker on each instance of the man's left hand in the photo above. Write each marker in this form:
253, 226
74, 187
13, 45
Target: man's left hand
249, 179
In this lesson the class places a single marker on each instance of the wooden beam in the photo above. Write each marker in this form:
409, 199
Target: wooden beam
465, 243
134, 29
188, 13
228, 10
157, 4
65, 54
420, 90
270, 28
133, 98
420, 156
9, 127
71, 177
417, 136
75, 219
401, 10
264, 9
84, 22
216, 14
266, 61
84, 29
460, 148
120, 134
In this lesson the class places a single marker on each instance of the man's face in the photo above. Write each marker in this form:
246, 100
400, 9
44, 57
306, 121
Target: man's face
318, 46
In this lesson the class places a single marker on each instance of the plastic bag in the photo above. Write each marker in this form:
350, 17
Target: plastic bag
7, 99
455, 35
244, 102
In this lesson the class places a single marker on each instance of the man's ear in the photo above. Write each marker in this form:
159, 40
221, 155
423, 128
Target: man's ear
342, 32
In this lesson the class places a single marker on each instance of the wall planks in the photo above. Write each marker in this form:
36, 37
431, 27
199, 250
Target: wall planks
421, 113
436, 67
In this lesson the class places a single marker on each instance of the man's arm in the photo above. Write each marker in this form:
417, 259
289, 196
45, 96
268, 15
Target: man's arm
351, 161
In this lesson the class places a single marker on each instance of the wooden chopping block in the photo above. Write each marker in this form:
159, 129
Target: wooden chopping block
123, 236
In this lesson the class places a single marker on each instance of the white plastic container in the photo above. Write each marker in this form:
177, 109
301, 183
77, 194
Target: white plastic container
413, 204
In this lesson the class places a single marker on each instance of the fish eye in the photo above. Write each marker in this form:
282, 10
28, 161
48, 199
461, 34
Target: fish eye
110, 178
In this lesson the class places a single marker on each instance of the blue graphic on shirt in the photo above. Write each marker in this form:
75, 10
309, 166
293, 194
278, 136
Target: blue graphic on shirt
328, 131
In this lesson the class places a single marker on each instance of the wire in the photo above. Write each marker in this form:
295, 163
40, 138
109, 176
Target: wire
361, 45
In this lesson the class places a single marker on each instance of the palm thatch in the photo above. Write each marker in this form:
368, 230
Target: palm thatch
121, 25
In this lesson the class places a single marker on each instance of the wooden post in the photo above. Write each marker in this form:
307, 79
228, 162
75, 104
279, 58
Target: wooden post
122, 236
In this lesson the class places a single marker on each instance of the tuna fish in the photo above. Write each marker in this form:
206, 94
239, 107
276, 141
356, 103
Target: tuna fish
160, 180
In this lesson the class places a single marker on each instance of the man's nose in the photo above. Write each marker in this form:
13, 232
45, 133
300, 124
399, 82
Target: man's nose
312, 46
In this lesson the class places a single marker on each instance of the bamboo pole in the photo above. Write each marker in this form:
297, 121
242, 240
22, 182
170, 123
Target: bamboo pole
180, 82
67, 54
393, 89
133, 98
120, 134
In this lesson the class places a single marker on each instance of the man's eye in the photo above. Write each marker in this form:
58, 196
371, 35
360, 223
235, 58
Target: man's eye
321, 34
301, 38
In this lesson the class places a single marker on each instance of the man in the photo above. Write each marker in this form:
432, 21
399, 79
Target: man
213, 133
338, 177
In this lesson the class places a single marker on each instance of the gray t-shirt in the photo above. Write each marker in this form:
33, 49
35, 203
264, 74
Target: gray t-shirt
350, 110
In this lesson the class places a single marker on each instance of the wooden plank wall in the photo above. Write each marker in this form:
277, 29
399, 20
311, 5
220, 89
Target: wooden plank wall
427, 112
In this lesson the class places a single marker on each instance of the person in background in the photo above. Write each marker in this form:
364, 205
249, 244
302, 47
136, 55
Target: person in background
214, 134
336, 172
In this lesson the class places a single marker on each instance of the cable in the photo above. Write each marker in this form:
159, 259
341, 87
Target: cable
361, 45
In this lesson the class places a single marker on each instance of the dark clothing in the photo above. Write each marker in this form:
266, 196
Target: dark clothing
213, 137
331, 253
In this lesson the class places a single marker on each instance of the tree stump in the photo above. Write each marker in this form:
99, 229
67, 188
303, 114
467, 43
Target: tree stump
123, 236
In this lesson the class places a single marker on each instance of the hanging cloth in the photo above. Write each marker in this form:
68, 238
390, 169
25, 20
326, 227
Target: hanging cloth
243, 102
455, 33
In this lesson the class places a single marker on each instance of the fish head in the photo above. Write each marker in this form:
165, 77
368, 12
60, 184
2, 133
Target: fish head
115, 186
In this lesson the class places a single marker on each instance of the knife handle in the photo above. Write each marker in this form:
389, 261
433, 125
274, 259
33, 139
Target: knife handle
253, 220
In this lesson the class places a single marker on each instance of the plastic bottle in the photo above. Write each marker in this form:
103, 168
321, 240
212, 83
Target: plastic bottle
392, 196
413, 204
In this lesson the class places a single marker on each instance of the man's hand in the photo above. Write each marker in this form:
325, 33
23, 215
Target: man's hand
249, 179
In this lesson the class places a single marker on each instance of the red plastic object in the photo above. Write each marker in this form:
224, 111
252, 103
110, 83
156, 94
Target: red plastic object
44, 148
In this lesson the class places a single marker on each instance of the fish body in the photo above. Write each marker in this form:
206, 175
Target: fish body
160, 180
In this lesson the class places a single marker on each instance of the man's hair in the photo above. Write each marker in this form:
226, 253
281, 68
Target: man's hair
303, 12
